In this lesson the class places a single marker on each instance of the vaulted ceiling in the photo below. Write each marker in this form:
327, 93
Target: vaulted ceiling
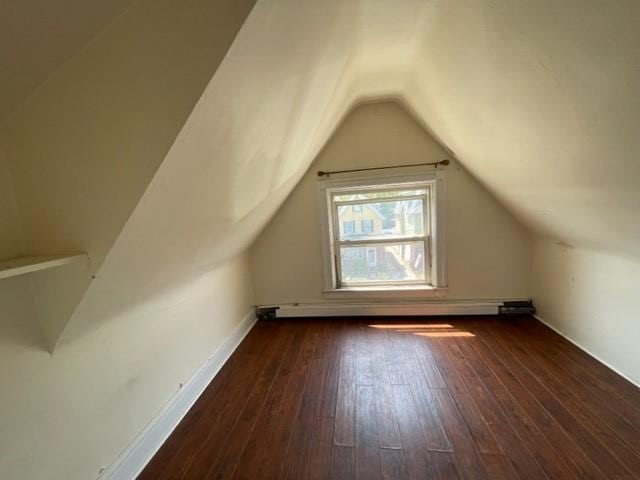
537, 99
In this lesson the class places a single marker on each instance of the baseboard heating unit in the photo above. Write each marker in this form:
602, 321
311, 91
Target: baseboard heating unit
335, 309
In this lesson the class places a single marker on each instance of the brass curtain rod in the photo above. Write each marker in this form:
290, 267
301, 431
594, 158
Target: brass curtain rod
434, 164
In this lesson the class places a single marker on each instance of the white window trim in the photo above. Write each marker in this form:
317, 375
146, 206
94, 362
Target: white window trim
436, 179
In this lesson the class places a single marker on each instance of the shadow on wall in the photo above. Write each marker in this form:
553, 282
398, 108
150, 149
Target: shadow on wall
245, 145
84, 146
201, 208
44, 301
591, 297
19, 327
55, 295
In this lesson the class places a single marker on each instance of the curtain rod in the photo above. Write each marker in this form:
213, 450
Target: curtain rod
435, 164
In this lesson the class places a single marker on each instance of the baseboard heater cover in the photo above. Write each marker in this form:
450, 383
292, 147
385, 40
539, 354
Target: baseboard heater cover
327, 309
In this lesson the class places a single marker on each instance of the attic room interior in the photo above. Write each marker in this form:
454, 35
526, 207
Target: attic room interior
347, 239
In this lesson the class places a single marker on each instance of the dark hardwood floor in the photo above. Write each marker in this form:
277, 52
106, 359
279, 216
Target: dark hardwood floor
447, 398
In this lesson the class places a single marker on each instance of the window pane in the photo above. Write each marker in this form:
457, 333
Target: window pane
388, 219
348, 227
364, 195
383, 263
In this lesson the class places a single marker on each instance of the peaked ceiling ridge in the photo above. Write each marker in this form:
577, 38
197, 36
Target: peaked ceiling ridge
488, 81
246, 139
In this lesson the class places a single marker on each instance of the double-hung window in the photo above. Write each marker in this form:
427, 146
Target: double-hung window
399, 242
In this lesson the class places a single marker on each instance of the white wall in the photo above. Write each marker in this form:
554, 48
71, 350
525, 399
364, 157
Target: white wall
593, 298
97, 167
64, 416
76, 160
488, 251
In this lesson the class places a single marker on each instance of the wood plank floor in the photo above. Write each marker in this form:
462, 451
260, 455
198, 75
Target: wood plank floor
447, 398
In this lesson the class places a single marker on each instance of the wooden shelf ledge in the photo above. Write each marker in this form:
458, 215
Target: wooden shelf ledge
22, 265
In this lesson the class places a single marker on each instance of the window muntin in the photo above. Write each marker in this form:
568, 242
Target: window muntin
393, 247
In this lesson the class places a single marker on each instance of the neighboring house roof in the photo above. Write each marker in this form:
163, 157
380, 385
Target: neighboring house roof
369, 206
374, 209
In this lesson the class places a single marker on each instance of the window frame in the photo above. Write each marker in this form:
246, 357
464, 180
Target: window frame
433, 226
343, 239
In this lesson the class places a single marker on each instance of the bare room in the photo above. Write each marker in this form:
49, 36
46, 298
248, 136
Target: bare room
337, 239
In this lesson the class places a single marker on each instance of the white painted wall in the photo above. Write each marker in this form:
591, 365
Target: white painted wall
64, 416
96, 166
488, 251
76, 159
592, 298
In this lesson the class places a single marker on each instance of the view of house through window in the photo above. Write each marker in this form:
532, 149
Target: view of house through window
381, 235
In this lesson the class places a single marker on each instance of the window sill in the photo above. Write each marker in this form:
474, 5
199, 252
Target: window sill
396, 292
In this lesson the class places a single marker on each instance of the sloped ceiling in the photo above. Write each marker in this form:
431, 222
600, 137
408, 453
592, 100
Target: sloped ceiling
537, 99
37, 36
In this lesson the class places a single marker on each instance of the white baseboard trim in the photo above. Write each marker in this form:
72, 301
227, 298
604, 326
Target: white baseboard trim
335, 309
129, 464
585, 350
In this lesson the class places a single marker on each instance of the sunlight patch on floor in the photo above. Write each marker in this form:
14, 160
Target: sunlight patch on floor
433, 330
404, 326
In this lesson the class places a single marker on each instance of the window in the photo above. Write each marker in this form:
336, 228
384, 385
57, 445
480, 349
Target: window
371, 257
400, 240
348, 227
